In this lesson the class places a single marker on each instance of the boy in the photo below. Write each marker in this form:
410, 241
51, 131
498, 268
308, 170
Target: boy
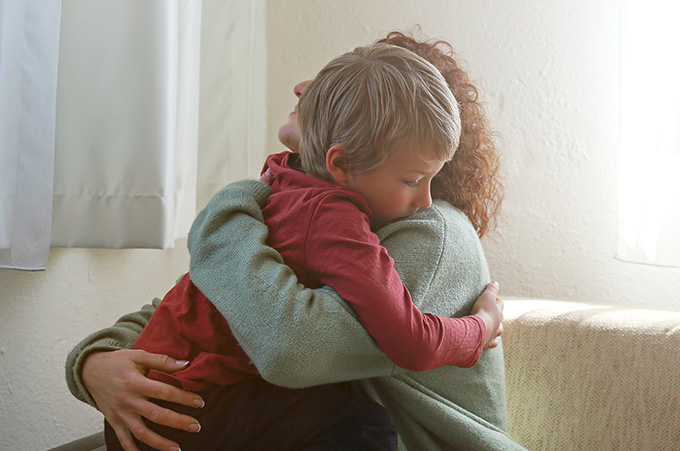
377, 124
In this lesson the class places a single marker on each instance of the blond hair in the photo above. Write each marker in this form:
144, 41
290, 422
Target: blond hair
472, 180
375, 101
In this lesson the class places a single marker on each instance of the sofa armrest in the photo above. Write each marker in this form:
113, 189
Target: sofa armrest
586, 377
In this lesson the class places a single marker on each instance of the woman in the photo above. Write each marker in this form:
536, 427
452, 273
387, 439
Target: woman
446, 408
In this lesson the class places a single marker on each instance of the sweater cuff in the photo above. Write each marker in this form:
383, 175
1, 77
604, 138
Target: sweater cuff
258, 190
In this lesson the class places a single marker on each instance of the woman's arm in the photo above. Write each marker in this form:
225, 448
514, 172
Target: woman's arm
105, 372
295, 336
122, 335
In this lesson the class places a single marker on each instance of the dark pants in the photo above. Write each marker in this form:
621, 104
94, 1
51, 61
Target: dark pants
255, 415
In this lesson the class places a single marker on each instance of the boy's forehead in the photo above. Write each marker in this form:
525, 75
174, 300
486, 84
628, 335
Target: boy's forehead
420, 162
423, 152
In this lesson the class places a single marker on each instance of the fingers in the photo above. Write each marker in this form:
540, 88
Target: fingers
120, 388
145, 435
166, 392
124, 436
133, 425
499, 332
158, 362
501, 306
149, 388
497, 339
163, 391
166, 417
492, 287
267, 177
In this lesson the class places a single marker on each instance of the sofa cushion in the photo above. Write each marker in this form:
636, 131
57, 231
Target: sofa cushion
589, 377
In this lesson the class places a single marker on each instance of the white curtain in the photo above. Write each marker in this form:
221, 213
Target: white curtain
233, 102
29, 44
649, 203
127, 123
134, 153
125, 169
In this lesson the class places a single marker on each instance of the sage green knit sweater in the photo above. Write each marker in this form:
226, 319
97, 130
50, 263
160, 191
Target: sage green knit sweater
299, 337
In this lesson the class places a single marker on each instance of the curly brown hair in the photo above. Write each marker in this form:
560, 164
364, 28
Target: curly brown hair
470, 181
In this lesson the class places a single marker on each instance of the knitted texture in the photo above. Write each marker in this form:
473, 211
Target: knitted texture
299, 337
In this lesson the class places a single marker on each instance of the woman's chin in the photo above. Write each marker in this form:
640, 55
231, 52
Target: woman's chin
289, 136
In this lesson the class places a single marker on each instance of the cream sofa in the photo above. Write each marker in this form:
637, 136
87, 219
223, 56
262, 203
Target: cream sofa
592, 378
582, 377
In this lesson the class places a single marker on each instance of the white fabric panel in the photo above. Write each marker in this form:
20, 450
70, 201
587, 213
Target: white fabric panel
29, 45
186, 152
649, 206
127, 124
125, 156
232, 102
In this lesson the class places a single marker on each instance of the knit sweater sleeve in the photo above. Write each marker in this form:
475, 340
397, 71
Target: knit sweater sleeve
122, 335
261, 298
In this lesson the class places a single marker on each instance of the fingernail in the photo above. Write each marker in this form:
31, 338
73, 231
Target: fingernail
494, 283
181, 362
199, 403
194, 427
174, 448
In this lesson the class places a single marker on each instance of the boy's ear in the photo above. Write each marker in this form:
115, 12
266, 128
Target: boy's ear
335, 163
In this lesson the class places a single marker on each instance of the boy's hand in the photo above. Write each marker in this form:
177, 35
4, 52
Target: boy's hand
489, 307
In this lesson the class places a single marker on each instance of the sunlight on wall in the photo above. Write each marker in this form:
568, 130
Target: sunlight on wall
649, 229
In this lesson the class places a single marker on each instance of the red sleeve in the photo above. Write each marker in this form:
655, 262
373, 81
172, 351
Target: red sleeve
346, 255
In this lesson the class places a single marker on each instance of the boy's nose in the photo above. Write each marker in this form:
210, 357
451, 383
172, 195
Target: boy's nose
423, 198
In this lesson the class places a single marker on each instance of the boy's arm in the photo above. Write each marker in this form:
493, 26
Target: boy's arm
342, 252
122, 335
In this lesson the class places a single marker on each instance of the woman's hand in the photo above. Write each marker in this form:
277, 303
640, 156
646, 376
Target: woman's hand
116, 381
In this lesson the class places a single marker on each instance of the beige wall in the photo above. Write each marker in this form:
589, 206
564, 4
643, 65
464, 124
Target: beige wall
44, 314
549, 72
